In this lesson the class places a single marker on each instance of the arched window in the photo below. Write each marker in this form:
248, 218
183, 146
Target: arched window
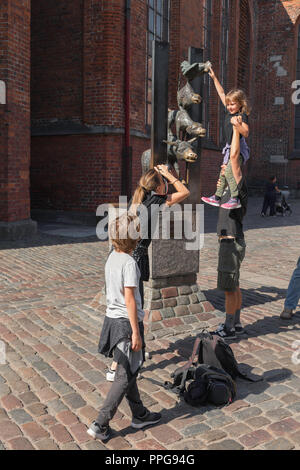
244, 47
297, 107
158, 28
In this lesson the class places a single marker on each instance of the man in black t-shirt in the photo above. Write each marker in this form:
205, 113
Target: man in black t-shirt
231, 253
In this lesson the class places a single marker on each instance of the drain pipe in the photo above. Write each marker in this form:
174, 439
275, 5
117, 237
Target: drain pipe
127, 149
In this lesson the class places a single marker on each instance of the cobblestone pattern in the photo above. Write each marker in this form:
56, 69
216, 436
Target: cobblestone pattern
53, 381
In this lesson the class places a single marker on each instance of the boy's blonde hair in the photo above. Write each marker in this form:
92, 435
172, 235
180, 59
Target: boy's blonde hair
240, 97
120, 231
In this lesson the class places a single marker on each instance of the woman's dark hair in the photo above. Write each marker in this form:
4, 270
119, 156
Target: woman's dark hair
272, 178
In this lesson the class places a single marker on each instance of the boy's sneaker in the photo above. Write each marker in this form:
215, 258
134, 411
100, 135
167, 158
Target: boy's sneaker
239, 329
224, 333
146, 420
233, 203
99, 432
286, 313
212, 200
110, 375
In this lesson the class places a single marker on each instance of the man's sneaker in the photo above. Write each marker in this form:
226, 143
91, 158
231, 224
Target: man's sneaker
110, 375
286, 313
99, 432
212, 200
239, 329
233, 203
224, 333
146, 420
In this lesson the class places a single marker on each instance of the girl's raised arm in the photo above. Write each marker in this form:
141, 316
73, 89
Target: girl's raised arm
218, 86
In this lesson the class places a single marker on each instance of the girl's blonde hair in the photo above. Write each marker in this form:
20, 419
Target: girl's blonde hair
240, 97
148, 182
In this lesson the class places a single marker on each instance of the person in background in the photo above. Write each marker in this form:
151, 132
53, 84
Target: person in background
270, 197
293, 294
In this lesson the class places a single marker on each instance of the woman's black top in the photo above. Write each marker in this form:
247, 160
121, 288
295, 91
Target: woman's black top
148, 223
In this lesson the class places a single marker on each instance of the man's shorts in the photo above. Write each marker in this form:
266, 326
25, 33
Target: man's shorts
231, 254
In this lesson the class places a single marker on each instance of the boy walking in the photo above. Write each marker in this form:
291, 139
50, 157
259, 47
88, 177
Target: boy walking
122, 335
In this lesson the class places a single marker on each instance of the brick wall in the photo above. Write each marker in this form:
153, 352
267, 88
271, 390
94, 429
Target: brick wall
272, 132
15, 114
77, 95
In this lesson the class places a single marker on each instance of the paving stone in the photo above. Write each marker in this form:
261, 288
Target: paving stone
284, 426
259, 398
214, 435
70, 446
281, 413
60, 434
74, 401
227, 444
4, 390
93, 376
247, 413
165, 434
255, 438
20, 443
236, 430
46, 444
20, 416
10, 402
28, 398
94, 445
278, 390
55, 406
8, 431
295, 407
34, 431
270, 405
279, 444
195, 430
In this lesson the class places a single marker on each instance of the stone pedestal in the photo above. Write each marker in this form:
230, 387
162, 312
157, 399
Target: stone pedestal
173, 300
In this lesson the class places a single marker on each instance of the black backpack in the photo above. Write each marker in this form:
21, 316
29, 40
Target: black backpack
211, 385
214, 350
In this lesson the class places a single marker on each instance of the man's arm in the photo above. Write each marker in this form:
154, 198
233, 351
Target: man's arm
234, 155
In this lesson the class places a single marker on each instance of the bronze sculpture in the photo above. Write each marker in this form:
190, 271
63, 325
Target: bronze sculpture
180, 147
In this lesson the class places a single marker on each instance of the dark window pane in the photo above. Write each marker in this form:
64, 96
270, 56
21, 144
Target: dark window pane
160, 6
151, 3
159, 27
151, 20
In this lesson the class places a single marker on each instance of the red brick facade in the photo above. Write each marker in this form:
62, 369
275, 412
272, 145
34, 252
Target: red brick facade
15, 114
77, 94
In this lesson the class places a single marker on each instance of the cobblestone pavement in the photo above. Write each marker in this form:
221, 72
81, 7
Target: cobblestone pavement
53, 381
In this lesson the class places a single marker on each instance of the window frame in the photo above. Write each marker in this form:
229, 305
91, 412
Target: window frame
164, 14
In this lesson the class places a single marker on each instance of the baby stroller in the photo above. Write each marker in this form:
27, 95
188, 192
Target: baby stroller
281, 206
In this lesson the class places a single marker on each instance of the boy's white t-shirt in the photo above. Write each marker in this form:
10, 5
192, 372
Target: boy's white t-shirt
121, 270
